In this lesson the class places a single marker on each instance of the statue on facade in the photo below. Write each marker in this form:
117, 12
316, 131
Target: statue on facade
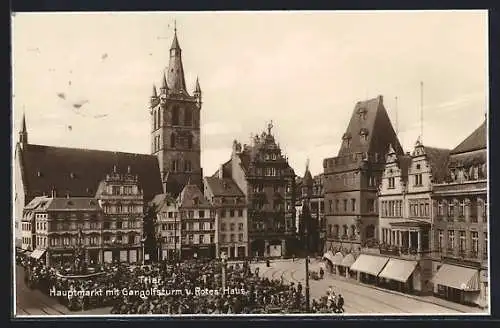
79, 254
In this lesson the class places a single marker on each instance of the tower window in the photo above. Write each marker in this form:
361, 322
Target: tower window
188, 117
190, 141
187, 166
172, 140
154, 120
175, 115
158, 119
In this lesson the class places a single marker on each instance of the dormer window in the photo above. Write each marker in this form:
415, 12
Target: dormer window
363, 133
362, 113
418, 166
347, 139
39, 174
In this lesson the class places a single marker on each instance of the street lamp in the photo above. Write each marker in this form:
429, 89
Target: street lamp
143, 241
223, 257
158, 241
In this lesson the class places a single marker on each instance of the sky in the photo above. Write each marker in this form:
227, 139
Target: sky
303, 70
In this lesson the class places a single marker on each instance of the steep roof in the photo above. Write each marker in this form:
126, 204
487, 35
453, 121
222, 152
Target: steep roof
370, 118
475, 141
175, 73
78, 172
69, 204
438, 160
188, 195
161, 201
223, 187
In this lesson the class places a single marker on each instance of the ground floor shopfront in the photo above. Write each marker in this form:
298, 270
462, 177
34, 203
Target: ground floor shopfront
233, 250
269, 247
198, 252
407, 276
96, 255
461, 284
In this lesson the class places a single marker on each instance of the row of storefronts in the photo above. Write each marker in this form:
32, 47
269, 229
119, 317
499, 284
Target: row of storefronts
453, 282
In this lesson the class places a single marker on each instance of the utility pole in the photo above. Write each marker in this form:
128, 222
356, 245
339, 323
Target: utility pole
307, 271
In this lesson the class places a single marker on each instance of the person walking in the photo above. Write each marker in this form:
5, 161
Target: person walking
340, 303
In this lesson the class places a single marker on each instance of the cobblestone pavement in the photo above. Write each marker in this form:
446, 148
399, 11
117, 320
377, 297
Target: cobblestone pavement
359, 299
34, 302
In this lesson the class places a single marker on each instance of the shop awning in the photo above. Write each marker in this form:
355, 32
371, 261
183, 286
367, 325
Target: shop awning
466, 279
334, 259
37, 253
399, 270
348, 260
369, 264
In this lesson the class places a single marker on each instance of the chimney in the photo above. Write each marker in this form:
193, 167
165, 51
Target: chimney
221, 172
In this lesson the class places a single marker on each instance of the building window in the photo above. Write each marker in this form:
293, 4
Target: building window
201, 214
172, 140
353, 205
371, 205
188, 117
461, 245
485, 211
240, 226
440, 208
392, 183
240, 213
190, 214
231, 213
232, 238
190, 141
223, 238
345, 205
474, 243
222, 213
174, 165
330, 231
461, 208
440, 240
232, 226
187, 166
451, 240
175, 115
418, 179
200, 239
346, 232
451, 209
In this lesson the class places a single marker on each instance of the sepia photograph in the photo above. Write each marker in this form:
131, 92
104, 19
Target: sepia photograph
308, 163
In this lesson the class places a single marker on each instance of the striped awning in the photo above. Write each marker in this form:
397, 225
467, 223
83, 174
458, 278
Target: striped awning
466, 279
369, 264
348, 260
399, 270
37, 253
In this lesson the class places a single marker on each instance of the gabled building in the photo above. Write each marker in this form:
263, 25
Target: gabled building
61, 224
231, 224
175, 126
168, 227
460, 233
352, 178
122, 200
311, 195
263, 174
197, 224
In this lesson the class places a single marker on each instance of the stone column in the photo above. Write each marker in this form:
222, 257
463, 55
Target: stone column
283, 247
419, 241
266, 246
409, 239
101, 256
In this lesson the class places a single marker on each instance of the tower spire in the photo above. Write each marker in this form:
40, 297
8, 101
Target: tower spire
23, 133
175, 75
164, 84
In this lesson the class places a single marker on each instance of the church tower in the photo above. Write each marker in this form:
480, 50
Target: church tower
175, 126
23, 134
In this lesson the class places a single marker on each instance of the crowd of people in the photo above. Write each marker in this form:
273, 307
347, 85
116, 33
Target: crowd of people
189, 287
